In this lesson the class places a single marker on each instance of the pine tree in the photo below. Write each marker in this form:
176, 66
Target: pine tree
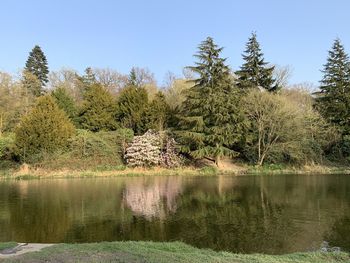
132, 80
157, 113
44, 130
255, 73
333, 101
131, 108
37, 65
98, 110
212, 121
65, 102
89, 78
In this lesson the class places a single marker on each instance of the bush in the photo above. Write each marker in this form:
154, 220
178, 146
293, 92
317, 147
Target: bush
152, 149
44, 130
7, 144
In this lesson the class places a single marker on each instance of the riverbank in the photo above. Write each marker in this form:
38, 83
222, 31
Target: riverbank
131, 251
226, 168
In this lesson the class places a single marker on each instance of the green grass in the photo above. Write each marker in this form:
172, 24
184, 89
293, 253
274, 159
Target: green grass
163, 253
7, 245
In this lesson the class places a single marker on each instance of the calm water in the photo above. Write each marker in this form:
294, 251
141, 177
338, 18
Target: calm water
270, 214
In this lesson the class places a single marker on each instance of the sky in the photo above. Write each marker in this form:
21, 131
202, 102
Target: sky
163, 35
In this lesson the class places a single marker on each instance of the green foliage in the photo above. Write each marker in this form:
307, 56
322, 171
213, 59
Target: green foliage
37, 65
65, 102
157, 113
98, 110
285, 128
211, 121
333, 101
132, 80
45, 129
32, 84
255, 73
131, 108
7, 143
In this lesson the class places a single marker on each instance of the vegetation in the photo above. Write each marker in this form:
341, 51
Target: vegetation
161, 252
250, 115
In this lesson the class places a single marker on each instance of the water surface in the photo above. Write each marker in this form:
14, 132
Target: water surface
267, 214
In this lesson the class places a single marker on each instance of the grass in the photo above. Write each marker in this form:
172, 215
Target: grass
26, 172
6, 245
131, 251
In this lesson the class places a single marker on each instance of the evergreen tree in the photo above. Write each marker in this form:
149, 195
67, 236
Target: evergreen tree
333, 101
131, 108
89, 78
157, 113
44, 130
255, 73
212, 121
98, 110
65, 102
132, 80
37, 65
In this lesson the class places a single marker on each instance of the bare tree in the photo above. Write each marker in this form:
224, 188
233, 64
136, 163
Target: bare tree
282, 75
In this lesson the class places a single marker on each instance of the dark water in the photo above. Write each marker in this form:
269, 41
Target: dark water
269, 214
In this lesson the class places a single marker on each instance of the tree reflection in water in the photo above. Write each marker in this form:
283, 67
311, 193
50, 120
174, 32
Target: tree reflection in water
269, 214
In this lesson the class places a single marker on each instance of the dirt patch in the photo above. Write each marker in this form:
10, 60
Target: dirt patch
22, 248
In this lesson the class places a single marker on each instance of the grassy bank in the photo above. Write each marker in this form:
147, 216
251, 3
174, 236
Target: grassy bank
27, 172
162, 252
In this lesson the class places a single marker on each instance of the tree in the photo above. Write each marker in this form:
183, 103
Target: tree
65, 102
211, 123
333, 100
98, 109
44, 130
131, 108
32, 84
157, 113
285, 128
255, 73
37, 65
132, 80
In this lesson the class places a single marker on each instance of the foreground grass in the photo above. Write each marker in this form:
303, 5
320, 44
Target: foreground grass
6, 245
131, 251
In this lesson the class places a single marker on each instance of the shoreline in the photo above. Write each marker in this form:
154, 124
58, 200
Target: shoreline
26, 172
148, 251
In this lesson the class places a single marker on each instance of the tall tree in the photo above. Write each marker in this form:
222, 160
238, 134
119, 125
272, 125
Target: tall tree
333, 101
212, 122
65, 102
255, 72
44, 130
132, 80
131, 108
37, 65
98, 110
157, 113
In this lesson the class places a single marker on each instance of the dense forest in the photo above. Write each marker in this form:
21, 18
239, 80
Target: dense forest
104, 118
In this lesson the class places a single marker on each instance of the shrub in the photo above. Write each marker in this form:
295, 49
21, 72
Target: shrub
45, 129
151, 149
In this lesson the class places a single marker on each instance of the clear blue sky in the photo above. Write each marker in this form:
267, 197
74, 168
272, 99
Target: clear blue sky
163, 35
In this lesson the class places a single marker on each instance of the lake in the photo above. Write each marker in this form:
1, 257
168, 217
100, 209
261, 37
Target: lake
248, 214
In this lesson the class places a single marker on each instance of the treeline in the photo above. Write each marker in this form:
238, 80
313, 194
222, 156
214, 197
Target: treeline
91, 119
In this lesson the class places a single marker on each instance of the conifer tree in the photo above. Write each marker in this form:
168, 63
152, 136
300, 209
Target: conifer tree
132, 80
98, 110
333, 101
157, 113
37, 65
131, 108
212, 121
255, 73
44, 130
65, 102
89, 77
